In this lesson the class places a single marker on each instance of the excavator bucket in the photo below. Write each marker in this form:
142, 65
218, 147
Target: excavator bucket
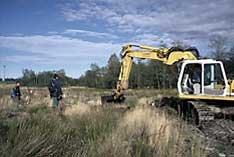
107, 99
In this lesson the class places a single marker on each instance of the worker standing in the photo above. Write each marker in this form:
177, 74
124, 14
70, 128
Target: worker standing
16, 94
55, 90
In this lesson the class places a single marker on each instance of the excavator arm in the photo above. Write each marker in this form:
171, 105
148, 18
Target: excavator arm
129, 52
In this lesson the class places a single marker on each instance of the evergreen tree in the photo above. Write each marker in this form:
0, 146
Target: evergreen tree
112, 73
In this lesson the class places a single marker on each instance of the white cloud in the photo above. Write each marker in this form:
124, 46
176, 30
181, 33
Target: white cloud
38, 59
86, 9
53, 32
152, 39
57, 45
89, 33
184, 19
56, 49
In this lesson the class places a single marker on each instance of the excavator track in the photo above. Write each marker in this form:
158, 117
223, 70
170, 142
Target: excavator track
194, 111
219, 133
203, 113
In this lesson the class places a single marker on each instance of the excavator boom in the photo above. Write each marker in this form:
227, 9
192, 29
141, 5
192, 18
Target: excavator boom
129, 52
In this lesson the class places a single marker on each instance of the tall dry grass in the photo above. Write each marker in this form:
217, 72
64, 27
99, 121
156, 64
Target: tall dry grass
149, 132
98, 132
87, 129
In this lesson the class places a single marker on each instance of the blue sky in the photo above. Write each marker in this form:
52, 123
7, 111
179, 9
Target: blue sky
72, 34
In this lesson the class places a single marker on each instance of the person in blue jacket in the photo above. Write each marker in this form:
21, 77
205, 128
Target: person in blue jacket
55, 90
16, 94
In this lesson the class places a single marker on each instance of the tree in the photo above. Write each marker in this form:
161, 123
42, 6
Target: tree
153, 74
96, 75
217, 44
29, 77
43, 78
134, 75
141, 69
229, 66
231, 53
92, 76
180, 44
112, 73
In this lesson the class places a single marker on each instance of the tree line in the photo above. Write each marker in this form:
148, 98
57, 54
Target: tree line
144, 73
153, 73
31, 78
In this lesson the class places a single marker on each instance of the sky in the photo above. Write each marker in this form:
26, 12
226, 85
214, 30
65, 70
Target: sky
71, 34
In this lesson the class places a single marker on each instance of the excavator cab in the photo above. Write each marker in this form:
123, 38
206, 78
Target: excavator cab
202, 78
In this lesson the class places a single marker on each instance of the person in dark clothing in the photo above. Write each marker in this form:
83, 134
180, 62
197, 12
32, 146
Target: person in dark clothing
55, 90
16, 94
17, 91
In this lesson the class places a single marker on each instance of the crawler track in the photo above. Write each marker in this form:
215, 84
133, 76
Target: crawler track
219, 133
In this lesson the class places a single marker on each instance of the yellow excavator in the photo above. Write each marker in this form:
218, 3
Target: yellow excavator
204, 91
